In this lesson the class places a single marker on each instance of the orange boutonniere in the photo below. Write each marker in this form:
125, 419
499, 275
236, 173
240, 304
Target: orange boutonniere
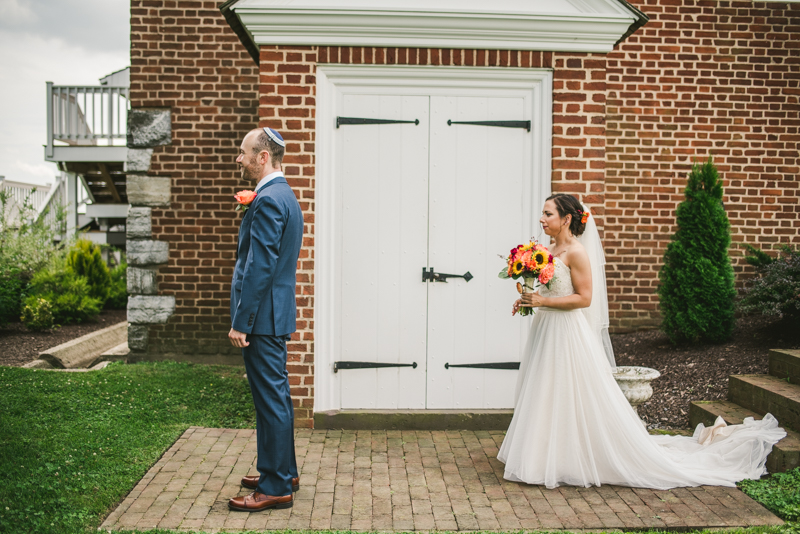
244, 198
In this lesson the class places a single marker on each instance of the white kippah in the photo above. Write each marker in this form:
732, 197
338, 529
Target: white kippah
275, 136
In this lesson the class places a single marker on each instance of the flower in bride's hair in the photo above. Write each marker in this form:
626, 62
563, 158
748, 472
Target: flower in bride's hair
584, 217
244, 198
547, 273
518, 267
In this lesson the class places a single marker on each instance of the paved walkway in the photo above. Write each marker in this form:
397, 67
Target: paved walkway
402, 481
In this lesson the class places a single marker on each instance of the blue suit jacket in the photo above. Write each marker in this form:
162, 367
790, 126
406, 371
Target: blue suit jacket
264, 280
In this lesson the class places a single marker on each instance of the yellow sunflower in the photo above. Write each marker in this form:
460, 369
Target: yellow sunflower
518, 267
540, 258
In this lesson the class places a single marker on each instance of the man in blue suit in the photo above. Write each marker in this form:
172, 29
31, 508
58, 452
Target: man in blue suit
263, 311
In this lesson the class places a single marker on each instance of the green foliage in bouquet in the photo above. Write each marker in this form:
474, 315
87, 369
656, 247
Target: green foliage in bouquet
118, 291
696, 291
68, 294
776, 288
85, 260
37, 314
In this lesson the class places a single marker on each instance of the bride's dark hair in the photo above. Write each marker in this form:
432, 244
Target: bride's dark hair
569, 205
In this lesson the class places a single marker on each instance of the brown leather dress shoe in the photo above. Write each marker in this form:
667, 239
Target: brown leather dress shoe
256, 502
252, 482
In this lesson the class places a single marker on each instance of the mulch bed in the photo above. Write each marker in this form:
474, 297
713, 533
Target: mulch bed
700, 371
18, 345
688, 372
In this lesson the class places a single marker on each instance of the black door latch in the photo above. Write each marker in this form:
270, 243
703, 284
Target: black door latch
430, 276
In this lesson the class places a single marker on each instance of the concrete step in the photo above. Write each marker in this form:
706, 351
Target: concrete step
785, 454
767, 394
85, 351
414, 419
785, 363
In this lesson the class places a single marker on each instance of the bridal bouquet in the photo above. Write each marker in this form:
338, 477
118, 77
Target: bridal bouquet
534, 263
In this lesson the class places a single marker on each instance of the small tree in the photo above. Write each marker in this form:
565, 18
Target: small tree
696, 291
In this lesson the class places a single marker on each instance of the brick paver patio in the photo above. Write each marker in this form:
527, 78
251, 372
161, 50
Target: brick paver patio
402, 481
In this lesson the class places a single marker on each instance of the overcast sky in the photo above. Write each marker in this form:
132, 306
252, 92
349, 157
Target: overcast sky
67, 42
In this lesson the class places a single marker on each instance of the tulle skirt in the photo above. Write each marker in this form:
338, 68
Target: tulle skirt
573, 426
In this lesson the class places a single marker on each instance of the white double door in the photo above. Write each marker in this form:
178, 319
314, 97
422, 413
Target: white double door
427, 195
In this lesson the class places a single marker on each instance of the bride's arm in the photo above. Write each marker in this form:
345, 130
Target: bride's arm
581, 272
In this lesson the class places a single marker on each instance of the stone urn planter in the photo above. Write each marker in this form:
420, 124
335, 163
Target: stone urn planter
635, 383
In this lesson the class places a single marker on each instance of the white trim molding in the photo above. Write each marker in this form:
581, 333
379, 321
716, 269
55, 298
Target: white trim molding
554, 25
534, 86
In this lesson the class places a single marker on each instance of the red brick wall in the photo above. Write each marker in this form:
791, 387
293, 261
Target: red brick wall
702, 78
184, 56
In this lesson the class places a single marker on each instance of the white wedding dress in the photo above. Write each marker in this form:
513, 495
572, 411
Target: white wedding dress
573, 426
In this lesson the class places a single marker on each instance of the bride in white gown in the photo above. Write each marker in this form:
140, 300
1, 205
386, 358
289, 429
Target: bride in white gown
572, 425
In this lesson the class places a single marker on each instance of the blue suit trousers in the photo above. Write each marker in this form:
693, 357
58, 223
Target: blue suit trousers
265, 361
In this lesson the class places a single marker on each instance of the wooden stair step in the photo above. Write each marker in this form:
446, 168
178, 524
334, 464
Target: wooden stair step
767, 394
785, 364
785, 454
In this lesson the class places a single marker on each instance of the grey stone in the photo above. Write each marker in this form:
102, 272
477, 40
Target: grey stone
137, 337
149, 127
142, 281
139, 223
84, 351
38, 364
147, 252
146, 190
149, 310
138, 160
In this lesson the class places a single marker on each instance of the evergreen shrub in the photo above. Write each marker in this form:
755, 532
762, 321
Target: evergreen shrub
85, 260
12, 288
697, 292
776, 288
37, 314
69, 295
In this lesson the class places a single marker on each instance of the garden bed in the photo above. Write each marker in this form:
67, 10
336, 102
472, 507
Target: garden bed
18, 345
700, 371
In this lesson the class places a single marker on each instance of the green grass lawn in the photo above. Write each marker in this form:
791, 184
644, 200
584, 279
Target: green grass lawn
72, 445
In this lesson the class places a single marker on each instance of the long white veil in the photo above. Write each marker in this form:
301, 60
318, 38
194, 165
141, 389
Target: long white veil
597, 313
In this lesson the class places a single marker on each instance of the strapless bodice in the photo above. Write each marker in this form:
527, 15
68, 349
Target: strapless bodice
561, 284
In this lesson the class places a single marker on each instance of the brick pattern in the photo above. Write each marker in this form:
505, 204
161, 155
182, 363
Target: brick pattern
402, 481
701, 79
184, 56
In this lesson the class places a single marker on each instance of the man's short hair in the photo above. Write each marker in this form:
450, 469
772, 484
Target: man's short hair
275, 151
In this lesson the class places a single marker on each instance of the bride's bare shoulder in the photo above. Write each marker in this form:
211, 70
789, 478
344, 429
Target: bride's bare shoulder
575, 256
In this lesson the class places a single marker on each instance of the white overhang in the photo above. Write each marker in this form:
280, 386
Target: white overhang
551, 25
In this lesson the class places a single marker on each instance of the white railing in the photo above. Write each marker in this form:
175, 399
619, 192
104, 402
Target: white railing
86, 115
55, 201
17, 194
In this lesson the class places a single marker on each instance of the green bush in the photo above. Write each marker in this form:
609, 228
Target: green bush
85, 260
68, 294
12, 288
696, 292
37, 314
776, 288
780, 493
118, 293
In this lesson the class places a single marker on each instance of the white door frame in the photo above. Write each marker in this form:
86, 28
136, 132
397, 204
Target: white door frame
535, 86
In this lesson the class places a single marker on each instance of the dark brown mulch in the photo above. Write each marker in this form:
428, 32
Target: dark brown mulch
700, 371
19, 346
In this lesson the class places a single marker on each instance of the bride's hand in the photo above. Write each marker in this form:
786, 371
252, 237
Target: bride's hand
515, 308
533, 300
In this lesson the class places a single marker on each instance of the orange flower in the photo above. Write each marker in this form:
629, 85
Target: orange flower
547, 273
245, 198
